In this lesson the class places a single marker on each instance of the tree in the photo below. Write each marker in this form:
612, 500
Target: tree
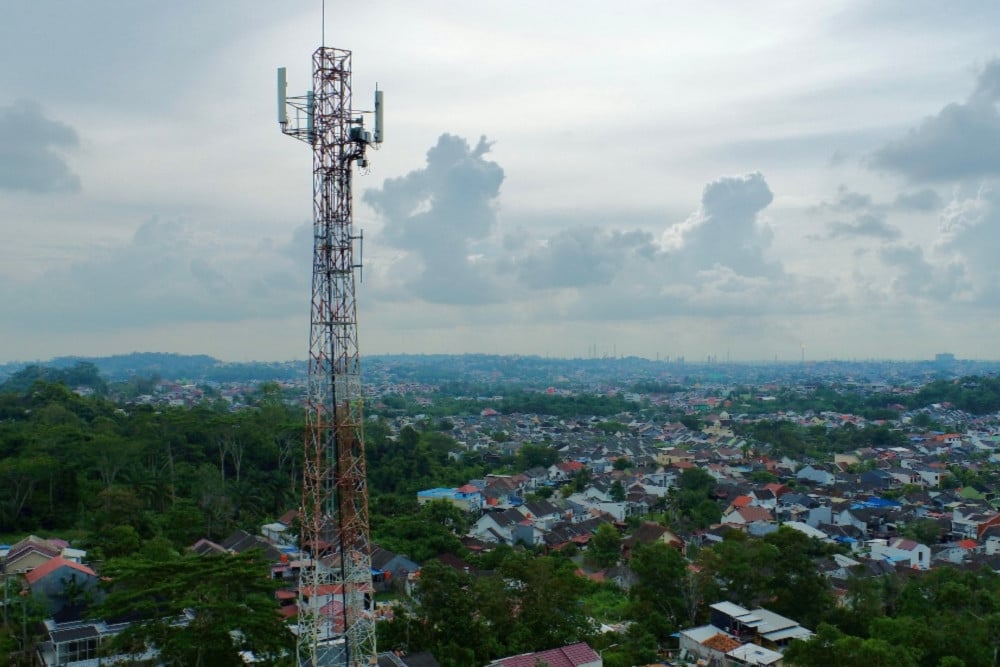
543, 594
197, 610
925, 531
534, 456
658, 595
605, 547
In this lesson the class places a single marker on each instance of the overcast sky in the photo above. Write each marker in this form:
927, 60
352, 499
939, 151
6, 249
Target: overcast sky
738, 180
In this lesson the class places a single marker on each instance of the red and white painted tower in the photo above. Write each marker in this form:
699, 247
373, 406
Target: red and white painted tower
335, 623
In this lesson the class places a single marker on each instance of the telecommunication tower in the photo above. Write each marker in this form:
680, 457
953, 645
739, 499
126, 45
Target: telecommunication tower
335, 625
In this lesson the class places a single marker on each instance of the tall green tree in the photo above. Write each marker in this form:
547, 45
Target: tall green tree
658, 597
605, 546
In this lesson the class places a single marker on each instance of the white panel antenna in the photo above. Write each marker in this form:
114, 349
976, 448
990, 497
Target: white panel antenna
310, 111
282, 97
379, 128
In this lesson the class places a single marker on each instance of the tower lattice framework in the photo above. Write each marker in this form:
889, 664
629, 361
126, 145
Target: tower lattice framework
335, 623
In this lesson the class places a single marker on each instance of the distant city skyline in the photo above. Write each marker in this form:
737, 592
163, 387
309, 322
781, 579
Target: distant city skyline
750, 182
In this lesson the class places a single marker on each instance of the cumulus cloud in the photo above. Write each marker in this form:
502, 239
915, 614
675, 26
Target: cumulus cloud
726, 231
438, 213
723, 235
30, 145
448, 246
970, 235
960, 267
867, 218
959, 142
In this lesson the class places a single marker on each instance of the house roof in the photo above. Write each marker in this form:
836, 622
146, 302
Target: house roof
751, 654
751, 514
423, 659
53, 564
722, 643
741, 501
33, 543
566, 656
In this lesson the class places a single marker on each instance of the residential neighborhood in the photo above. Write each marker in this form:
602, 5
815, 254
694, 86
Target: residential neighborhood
694, 470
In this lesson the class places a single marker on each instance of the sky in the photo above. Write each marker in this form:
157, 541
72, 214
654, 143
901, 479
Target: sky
699, 179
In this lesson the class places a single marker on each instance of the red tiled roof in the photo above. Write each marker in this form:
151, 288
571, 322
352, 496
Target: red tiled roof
54, 564
567, 656
750, 514
721, 642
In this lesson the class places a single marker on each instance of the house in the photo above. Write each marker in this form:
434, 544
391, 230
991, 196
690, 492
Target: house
574, 655
902, 550
79, 644
564, 470
467, 498
744, 516
760, 626
765, 498
816, 475
542, 513
240, 541
751, 654
932, 476
62, 586
398, 659
31, 552
497, 527
708, 644
388, 567
650, 532
527, 533
877, 479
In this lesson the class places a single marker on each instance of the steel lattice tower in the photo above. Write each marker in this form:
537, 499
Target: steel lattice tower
335, 620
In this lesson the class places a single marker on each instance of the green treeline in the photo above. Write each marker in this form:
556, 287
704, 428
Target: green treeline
785, 438
519, 602
115, 477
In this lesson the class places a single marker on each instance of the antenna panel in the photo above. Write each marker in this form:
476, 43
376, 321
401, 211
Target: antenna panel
379, 130
310, 111
282, 101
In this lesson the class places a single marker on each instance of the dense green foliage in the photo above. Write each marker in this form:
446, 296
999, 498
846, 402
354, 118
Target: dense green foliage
978, 395
68, 462
118, 477
200, 611
82, 374
786, 438
528, 604
945, 617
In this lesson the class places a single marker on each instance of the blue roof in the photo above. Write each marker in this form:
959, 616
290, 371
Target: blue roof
875, 502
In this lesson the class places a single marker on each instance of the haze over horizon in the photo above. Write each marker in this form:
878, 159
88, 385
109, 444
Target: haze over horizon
644, 179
